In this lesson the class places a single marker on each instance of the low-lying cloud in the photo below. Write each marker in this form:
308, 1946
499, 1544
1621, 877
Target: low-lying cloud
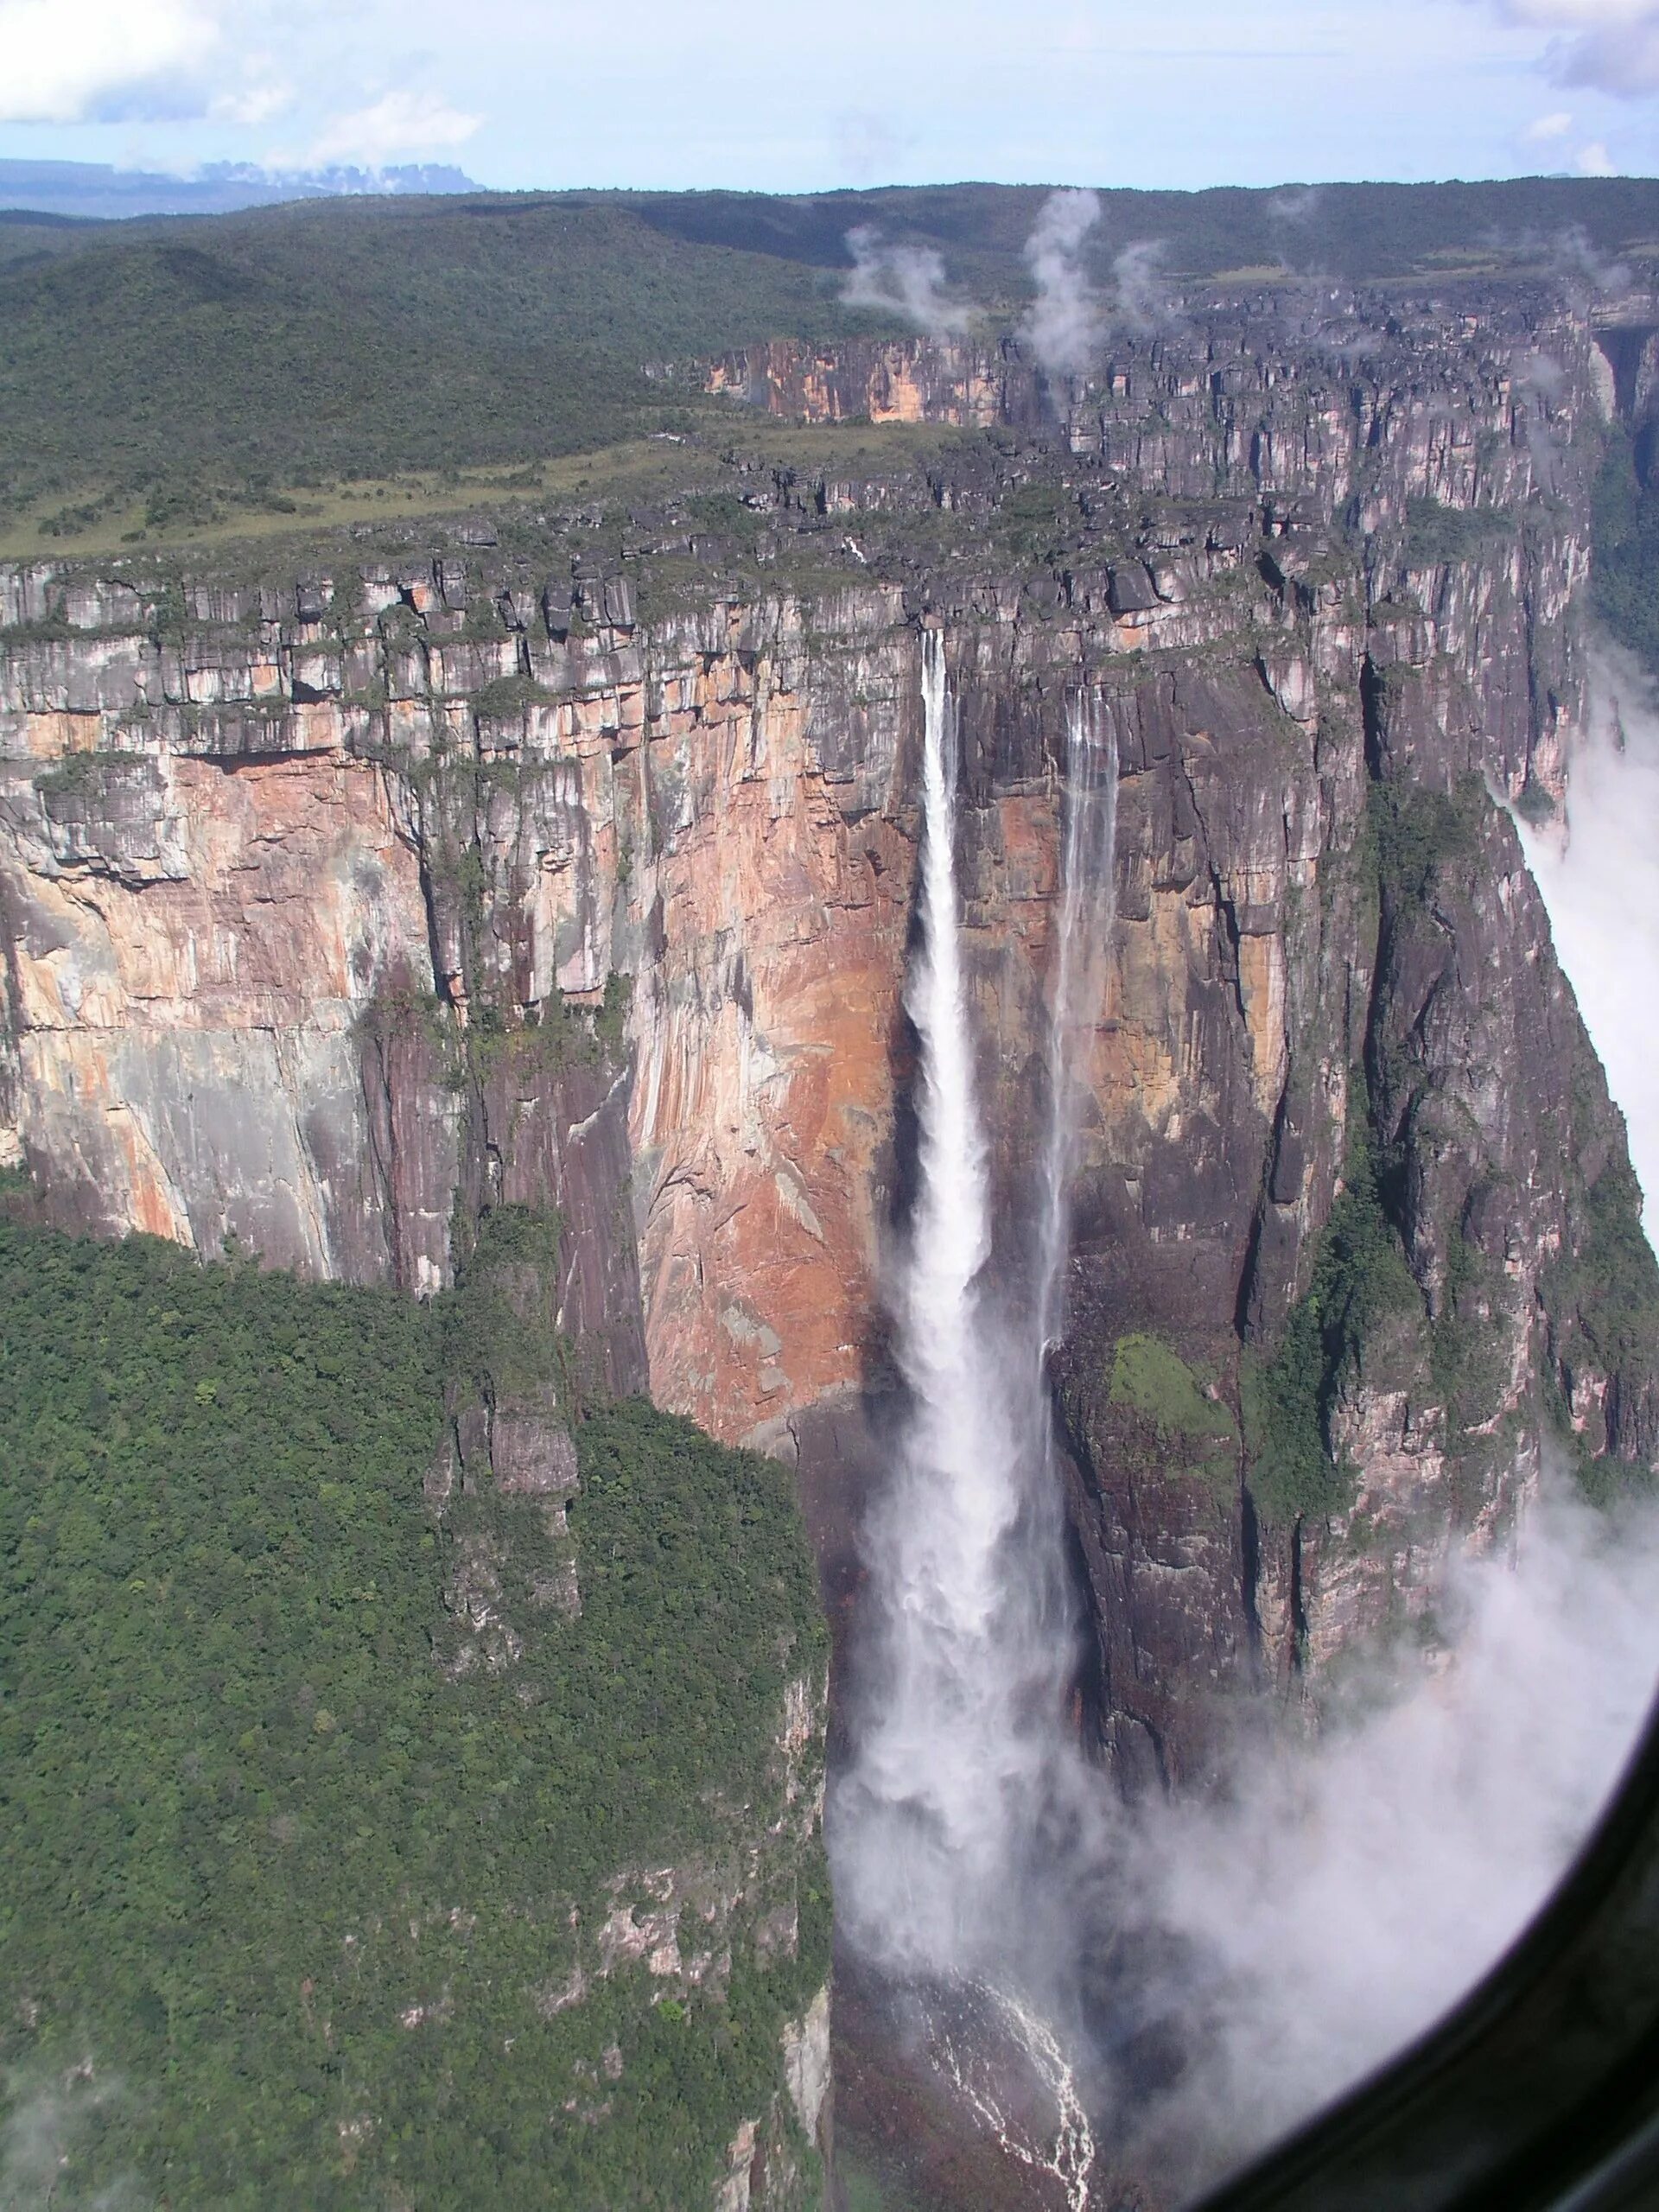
1577, 259
906, 279
1066, 323
1140, 286
1343, 1894
49, 2118
1601, 886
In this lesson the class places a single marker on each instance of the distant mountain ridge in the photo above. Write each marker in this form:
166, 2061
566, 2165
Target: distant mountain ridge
97, 191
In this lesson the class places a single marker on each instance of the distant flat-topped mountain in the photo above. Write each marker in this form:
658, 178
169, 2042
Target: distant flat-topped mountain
97, 191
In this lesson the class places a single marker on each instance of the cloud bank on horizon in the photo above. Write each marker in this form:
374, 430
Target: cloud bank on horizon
1097, 92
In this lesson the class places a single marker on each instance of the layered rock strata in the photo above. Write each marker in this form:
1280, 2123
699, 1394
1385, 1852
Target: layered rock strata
344, 908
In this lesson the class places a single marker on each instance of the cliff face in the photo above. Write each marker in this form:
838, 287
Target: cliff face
342, 908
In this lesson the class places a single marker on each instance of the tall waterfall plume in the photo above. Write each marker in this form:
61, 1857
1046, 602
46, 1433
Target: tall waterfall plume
961, 1752
928, 1816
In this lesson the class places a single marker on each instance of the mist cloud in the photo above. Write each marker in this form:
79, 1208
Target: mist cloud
49, 2118
1139, 285
1292, 220
1602, 889
1066, 323
906, 279
1576, 258
1346, 1893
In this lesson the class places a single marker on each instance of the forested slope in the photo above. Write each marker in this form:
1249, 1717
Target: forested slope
298, 1911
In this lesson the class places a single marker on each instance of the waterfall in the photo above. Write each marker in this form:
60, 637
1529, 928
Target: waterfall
1088, 906
940, 1787
937, 1825
980, 1869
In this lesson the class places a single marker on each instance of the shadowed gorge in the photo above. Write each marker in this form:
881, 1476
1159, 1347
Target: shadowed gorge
953, 928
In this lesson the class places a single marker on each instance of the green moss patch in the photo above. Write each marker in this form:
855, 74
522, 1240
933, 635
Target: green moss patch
1151, 1379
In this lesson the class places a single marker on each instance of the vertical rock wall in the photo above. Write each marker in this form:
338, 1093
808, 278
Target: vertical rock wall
344, 909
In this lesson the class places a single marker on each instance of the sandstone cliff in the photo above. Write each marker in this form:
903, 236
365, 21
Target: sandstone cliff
567, 868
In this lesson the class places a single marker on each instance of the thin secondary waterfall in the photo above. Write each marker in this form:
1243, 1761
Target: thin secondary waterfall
961, 1754
1088, 906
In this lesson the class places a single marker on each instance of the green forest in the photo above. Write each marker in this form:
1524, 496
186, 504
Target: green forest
290, 1907
202, 365
1625, 582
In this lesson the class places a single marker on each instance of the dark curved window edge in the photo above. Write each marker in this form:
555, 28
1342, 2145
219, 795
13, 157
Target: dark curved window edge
1541, 2090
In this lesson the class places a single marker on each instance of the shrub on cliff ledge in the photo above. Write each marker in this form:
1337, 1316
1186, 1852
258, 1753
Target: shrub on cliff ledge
1360, 1277
1438, 536
1150, 1378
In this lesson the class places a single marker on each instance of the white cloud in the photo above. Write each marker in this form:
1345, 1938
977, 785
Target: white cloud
397, 123
90, 62
1611, 45
1594, 159
81, 61
256, 102
1548, 127
1343, 1893
1601, 891
1577, 14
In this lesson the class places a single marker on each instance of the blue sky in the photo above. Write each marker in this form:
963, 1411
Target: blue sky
763, 94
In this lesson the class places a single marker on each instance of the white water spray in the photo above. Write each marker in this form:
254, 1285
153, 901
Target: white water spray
1335, 1899
953, 1737
961, 1752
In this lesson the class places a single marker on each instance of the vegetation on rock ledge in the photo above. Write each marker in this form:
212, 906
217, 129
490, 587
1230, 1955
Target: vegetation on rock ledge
1360, 1276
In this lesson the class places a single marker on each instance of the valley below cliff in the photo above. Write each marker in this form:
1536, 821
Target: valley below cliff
508, 923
